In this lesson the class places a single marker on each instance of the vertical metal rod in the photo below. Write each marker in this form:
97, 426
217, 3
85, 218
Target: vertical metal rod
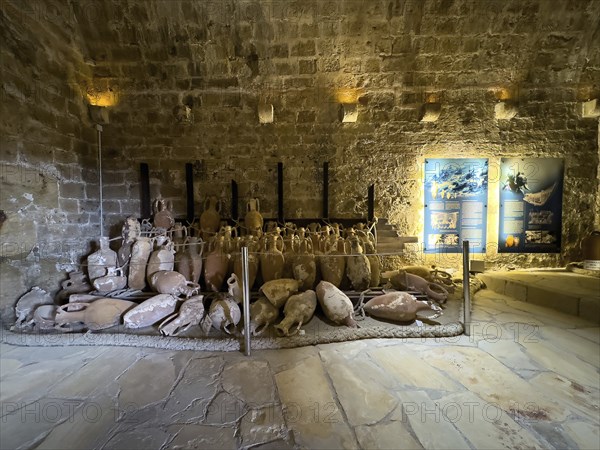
466, 289
246, 300
99, 129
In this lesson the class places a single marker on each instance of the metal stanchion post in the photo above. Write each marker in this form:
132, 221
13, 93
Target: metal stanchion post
466, 289
246, 300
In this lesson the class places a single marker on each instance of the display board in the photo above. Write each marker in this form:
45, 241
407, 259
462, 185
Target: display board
455, 204
531, 193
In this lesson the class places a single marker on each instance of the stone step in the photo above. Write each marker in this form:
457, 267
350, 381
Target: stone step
564, 291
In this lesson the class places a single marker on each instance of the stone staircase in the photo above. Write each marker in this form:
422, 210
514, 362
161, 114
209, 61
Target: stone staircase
389, 240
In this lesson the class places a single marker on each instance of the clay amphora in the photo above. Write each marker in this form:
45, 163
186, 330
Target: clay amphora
100, 261
375, 264
130, 231
335, 304
399, 306
190, 313
224, 314
174, 283
163, 258
254, 219
216, 265
76, 284
314, 232
298, 310
183, 258
150, 311
305, 266
278, 291
210, 219
98, 315
262, 314
163, 214
111, 282
358, 267
289, 249
195, 249
140, 252
272, 260
253, 260
28, 303
333, 262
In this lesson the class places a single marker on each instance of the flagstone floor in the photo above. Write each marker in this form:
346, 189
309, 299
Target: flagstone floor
527, 377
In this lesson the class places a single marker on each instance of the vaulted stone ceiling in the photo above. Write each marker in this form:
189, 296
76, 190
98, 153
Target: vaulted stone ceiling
428, 45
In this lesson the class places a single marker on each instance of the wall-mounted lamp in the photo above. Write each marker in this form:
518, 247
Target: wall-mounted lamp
505, 110
349, 112
183, 114
589, 109
266, 113
98, 114
430, 112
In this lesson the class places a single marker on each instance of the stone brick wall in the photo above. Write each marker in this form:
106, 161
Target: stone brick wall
222, 59
48, 178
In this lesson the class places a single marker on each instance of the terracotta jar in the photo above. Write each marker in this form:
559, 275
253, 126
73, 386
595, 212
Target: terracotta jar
358, 267
163, 258
253, 259
374, 262
305, 266
272, 261
333, 262
216, 265
591, 251
210, 219
254, 219
163, 214
102, 260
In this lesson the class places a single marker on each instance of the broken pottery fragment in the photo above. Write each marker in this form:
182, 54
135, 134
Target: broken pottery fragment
335, 304
298, 310
399, 306
150, 311
234, 288
76, 284
262, 314
98, 315
278, 291
224, 314
99, 262
170, 282
190, 314
44, 317
111, 282
28, 303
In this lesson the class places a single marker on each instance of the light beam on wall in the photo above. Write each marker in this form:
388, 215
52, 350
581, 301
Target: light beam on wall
505, 110
589, 109
349, 112
266, 113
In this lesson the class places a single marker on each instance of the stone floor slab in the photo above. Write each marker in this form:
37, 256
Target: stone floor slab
310, 408
386, 436
361, 386
424, 416
410, 370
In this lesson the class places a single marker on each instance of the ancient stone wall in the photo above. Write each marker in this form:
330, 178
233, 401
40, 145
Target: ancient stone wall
222, 60
48, 180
